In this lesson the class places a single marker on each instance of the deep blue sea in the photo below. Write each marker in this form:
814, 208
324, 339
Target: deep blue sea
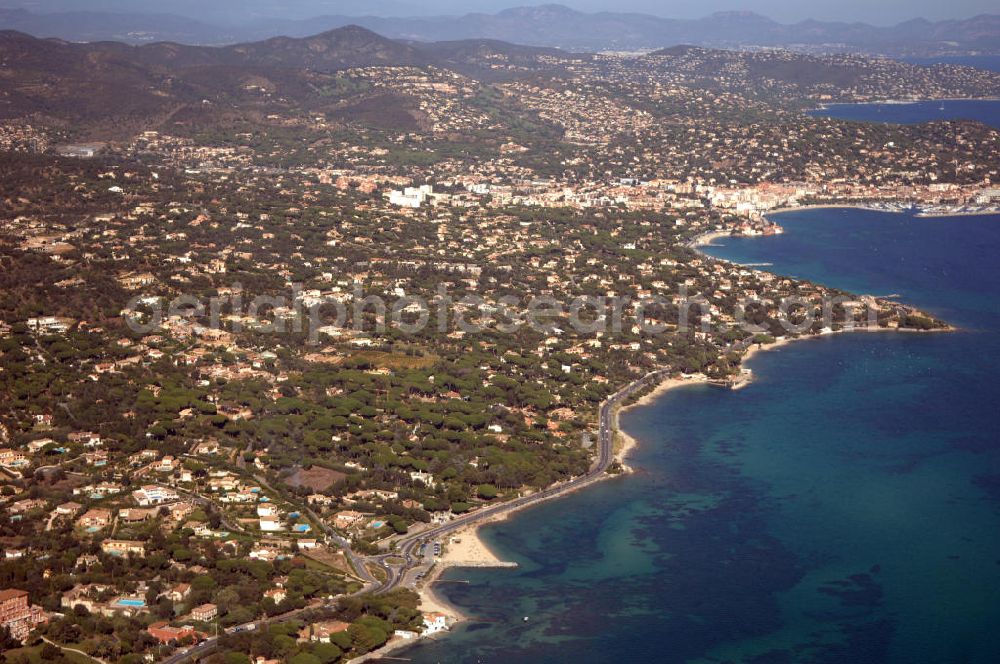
986, 111
844, 508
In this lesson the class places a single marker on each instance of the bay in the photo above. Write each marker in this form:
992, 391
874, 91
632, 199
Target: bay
843, 508
986, 111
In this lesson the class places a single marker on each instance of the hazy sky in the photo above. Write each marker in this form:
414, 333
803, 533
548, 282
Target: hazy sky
786, 11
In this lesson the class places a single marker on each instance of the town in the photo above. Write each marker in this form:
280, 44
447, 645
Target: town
185, 461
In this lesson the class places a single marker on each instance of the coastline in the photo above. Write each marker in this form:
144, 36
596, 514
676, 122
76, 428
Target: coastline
629, 442
870, 207
472, 551
822, 206
825, 106
921, 100
708, 238
745, 378
466, 548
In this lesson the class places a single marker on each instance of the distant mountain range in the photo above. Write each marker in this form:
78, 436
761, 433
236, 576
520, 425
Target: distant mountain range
547, 25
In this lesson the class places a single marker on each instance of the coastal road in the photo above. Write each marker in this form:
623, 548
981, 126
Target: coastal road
407, 546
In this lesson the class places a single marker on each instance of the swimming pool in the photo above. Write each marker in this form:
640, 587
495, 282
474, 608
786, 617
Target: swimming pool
131, 603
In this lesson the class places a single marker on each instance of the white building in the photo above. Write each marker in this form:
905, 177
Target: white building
434, 623
154, 495
270, 524
411, 197
48, 324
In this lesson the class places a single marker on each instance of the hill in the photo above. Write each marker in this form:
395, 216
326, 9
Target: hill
109, 88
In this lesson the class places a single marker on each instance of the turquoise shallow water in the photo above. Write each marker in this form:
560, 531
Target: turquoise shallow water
843, 508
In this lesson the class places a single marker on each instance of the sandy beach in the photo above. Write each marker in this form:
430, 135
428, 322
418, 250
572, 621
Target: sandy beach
757, 348
464, 548
706, 239
625, 443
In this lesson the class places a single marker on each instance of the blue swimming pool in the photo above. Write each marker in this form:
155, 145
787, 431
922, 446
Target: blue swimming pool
133, 603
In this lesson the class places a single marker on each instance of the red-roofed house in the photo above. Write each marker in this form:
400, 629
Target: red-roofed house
166, 634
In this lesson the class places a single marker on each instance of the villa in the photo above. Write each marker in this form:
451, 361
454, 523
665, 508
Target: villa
95, 519
277, 595
83, 595
154, 495
205, 612
178, 593
68, 508
270, 524
166, 634
13, 458
322, 631
123, 548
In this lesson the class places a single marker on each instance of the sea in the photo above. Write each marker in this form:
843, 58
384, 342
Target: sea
843, 508
986, 111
